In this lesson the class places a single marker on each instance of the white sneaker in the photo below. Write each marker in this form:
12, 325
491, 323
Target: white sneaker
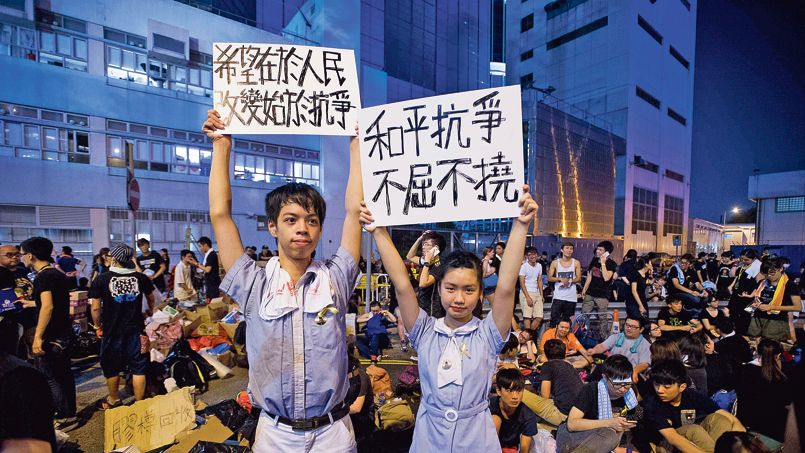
414, 358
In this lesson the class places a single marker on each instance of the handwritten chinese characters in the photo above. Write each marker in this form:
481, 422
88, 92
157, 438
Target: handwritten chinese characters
443, 158
285, 89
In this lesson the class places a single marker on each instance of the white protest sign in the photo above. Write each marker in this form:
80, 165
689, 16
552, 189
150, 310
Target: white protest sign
443, 158
285, 89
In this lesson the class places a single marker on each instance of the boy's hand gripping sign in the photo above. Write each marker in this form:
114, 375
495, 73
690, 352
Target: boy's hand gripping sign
285, 89
444, 158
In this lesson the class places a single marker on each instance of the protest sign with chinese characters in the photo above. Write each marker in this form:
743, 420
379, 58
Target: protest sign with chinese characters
443, 158
285, 89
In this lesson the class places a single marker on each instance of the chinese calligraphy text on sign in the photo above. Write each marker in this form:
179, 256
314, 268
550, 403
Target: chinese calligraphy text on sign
443, 158
285, 89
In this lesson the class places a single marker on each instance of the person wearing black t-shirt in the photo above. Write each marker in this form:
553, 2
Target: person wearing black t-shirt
212, 276
117, 300
724, 277
676, 417
597, 420
53, 337
636, 298
713, 319
779, 296
560, 381
151, 264
747, 279
359, 398
515, 423
598, 288
684, 282
676, 322
15, 278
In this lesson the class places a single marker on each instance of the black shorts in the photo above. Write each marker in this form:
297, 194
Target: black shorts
120, 351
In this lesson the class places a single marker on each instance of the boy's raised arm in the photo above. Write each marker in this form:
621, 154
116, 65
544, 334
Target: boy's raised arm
351, 230
392, 261
510, 265
230, 247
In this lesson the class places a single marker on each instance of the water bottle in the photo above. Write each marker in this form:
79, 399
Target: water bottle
381, 399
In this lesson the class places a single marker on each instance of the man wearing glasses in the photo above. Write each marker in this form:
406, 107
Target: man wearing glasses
601, 413
13, 278
630, 344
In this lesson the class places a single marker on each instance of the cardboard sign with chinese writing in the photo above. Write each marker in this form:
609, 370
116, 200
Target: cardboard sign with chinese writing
150, 423
285, 89
443, 158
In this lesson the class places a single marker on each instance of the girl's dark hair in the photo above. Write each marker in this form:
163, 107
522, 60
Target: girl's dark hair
630, 254
502, 244
664, 349
639, 264
692, 350
768, 350
749, 253
512, 344
459, 259
771, 264
738, 441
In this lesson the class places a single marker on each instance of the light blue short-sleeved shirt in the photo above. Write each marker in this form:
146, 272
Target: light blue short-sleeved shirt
642, 352
436, 429
297, 368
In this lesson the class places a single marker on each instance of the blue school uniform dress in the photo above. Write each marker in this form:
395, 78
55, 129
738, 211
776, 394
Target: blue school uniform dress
455, 369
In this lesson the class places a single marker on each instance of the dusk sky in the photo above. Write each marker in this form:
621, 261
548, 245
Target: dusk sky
749, 99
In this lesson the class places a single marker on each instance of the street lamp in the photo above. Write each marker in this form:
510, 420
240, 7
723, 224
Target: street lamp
734, 210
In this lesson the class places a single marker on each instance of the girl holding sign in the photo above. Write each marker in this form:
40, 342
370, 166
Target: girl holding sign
457, 352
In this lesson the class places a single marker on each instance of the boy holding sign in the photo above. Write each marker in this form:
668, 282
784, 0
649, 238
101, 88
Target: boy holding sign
294, 308
458, 352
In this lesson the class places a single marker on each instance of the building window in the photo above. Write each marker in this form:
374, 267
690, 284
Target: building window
677, 117
135, 66
251, 167
126, 64
678, 56
674, 175
649, 29
527, 23
577, 33
558, 7
674, 214
527, 55
526, 79
35, 141
644, 95
59, 49
644, 210
789, 204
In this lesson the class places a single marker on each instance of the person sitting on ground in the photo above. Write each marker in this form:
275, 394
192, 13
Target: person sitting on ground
183, 289
652, 332
598, 418
376, 337
116, 298
562, 332
732, 346
265, 254
629, 343
674, 321
776, 296
527, 348
684, 284
560, 381
360, 398
508, 355
712, 318
514, 422
678, 418
693, 356
764, 392
725, 277
657, 292
740, 442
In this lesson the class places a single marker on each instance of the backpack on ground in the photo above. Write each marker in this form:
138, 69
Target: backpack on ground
381, 382
395, 415
408, 381
187, 367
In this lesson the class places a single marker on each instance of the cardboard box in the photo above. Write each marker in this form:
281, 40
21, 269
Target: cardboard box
208, 329
212, 431
230, 330
78, 295
150, 423
78, 309
202, 313
226, 358
218, 308
190, 322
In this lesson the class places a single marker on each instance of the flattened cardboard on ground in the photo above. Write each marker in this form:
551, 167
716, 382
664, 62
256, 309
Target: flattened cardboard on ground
212, 431
218, 308
230, 330
149, 423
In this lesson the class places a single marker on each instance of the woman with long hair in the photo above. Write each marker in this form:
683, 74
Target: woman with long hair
693, 357
764, 391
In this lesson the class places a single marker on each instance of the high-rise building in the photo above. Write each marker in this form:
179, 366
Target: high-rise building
82, 85
628, 64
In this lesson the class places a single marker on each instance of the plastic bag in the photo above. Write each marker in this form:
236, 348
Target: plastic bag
229, 412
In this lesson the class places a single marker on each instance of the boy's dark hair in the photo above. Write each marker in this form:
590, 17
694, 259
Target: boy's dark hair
639, 264
568, 244
510, 379
672, 298
374, 304
67, 250
771, 264
617, 366
606, 245
435, 237
184, 253
564, 319
531, 249
630, 254
702, 254
554, 349
295, 192
164, 250
459, 259
502, 244
143, 241
687, 257
39, 247
512, 343
669, 372
726, 254
641, 321
205, 240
